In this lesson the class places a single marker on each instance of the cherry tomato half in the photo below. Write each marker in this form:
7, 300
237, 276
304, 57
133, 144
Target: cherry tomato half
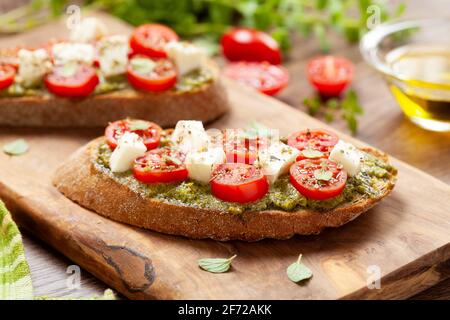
150, 40
79, 81
162, 76
318, 179
330, 75
238, 182
313, 140
148, 131
266, 78
242, 150
7, 74
244, 44
162, 165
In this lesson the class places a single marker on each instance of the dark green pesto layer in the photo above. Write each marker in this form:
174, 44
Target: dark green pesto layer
187, 83
375, 174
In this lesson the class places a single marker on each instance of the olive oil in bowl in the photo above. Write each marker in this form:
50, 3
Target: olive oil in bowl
420, 81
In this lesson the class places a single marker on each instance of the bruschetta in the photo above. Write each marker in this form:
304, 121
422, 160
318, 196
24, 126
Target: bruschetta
92, 79
225, 184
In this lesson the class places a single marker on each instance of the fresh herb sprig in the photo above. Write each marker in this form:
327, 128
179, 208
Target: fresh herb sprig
349, 108
193, 18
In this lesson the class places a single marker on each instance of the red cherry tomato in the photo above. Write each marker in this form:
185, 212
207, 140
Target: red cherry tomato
238, 182
266, 78
78, 82
160, 78
150, 39
148, 131
244, 44
317, 140
330, 75
318, 179
7, 74
243, 150
160, 166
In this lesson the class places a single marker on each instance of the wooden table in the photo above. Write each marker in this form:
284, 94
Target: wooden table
382, 125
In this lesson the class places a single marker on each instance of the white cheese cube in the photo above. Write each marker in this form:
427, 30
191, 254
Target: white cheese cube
276, 160
64, 53
347, 155
187, 57
88, 30
201, 165
33, 65
113, 55
189, 135
130, 146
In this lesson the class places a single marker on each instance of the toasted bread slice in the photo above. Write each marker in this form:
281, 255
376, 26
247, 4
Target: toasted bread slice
85, 183
205, 103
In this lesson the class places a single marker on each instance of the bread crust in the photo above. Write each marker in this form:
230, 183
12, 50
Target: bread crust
205, 103
82, 182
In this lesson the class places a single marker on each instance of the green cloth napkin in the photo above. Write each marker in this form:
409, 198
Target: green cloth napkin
15, 279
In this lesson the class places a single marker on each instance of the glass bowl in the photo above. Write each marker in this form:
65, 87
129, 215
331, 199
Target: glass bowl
414, 58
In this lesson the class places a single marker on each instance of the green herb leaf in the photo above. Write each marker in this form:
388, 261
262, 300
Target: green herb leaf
313, 105
323, 175
216, 265
69, 69
16, 148
311, 153
298, 271
169, 159
333, 103
329, 117
138, 125
142, 65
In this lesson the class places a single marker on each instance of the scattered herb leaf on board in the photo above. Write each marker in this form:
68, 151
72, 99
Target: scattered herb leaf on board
216, 265
298, 271
16, 147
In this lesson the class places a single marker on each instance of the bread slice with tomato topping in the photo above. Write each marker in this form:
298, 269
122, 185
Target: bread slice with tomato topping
188, 209
205, 102
93, 79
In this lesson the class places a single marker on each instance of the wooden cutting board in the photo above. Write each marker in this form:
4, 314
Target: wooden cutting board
406, 237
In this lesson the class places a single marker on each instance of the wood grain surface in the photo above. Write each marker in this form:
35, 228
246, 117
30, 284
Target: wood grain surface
406, 141
406, 236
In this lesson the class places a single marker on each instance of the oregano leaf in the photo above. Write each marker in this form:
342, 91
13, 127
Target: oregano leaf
138, 125
323, 175
16, 147
215, 265
297, 271
311, 153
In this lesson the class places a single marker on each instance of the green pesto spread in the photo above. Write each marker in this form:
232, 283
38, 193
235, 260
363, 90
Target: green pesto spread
187, 83
17, 90
374, 175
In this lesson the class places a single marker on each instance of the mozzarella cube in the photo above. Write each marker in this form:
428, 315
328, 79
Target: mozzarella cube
113, 55
347, 155
64, 53
33, 65
190, 136
201, 165
129, 147
88, 30
187, 57
276, 160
